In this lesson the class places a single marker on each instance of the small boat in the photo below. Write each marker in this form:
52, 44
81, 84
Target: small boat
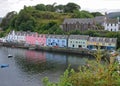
10, 56
31, 48
4, 65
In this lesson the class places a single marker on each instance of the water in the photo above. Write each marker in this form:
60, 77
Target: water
28, 68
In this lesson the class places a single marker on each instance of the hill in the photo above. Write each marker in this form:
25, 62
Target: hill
114, 15
44, 18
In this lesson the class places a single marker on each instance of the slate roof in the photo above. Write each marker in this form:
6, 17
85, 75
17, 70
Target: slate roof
112, 21
78, 20
57, 36
103, 39
82, 37
98, 19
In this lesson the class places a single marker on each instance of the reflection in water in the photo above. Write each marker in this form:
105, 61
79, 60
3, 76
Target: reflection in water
39, 64
36, 57
36, 62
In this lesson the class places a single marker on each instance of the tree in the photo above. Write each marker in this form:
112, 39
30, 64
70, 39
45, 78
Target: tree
70, 7
25, 21
7, 19
59, 8
41, 7
51, 8
96, 14
82, 14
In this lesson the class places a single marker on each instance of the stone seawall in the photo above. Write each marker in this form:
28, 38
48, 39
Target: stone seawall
51, 49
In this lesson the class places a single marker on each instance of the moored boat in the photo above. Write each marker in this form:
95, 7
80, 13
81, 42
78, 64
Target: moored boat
10, 56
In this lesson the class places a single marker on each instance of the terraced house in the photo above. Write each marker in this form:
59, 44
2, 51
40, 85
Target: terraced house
56, 40
77, 41
33, 38
16, 37
82, 24
102, 42
112, 24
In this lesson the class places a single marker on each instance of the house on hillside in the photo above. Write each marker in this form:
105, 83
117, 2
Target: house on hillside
56, 40
83, 24
78, 24
77, 41
112, 24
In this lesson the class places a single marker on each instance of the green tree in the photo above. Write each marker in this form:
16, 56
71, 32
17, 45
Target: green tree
60, 8
82, 14
96, 14
41, 7
51, 8
7, 19
25, 21
71, 7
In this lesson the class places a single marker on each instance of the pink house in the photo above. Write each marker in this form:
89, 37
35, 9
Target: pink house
41, 40
33, 38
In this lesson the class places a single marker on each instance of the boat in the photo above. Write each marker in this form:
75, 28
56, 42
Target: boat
4, 65
10, 56
31, 48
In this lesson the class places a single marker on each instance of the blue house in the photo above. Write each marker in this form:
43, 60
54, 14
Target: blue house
56, 40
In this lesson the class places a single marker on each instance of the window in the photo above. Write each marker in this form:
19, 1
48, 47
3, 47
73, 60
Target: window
79, 46
48, 40
63, 41
83, 45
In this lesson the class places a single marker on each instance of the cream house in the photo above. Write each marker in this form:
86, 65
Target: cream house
77, 41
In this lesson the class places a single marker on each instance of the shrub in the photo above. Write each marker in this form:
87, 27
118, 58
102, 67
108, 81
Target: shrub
94, 73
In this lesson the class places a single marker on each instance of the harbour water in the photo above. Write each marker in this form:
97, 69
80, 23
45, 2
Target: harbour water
28, 67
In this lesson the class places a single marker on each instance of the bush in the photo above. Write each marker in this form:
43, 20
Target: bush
94, 73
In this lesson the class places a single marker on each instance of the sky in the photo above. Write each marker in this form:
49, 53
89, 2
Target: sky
89, 5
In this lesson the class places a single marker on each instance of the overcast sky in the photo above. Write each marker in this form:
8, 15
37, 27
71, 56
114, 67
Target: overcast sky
89, 5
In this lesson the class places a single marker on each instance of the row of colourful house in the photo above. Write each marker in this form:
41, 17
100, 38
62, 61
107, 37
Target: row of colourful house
68, 41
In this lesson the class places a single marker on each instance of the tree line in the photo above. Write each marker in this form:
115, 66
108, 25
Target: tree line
40, 17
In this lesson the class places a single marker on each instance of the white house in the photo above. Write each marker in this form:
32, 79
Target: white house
21, 36
112, 24
16, 37
11, 37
